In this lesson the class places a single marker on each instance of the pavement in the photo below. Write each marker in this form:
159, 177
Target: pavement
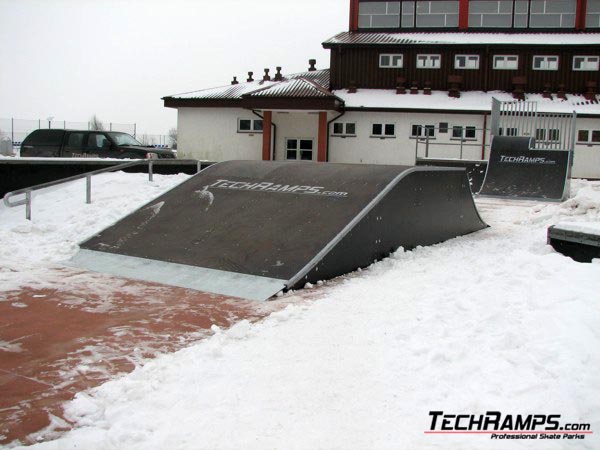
55, 343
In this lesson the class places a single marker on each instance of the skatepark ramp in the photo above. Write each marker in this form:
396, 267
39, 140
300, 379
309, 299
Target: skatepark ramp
250, 229
517, 170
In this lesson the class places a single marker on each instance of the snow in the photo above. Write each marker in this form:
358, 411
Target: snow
62, 219
465, 38
495, 320
468, 101
580, 227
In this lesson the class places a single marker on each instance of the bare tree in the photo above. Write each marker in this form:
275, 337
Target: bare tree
173, 137
96, 124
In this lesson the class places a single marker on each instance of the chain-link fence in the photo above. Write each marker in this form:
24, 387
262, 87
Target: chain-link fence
18, 129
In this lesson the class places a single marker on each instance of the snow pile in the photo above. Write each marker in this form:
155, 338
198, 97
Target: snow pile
491, 321
62, 219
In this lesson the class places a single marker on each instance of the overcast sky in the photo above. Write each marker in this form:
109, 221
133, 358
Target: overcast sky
73, 58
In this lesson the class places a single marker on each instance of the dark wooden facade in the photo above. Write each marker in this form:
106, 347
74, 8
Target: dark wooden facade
359, 65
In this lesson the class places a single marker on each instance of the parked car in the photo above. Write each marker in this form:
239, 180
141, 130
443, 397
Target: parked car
88, 144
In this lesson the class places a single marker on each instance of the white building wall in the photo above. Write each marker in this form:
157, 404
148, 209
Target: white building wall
211, 134
295, 125
402, 149
586, 162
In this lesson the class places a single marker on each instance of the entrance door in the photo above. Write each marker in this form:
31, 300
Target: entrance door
299, 149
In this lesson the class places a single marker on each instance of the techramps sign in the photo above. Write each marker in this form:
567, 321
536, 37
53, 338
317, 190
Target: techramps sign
516, 171
250, 229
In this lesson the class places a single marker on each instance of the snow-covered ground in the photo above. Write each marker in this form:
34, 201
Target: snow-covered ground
493, 321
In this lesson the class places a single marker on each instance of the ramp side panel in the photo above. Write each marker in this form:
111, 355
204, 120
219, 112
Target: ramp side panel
426, 207
527, 174
215, 221
198, 278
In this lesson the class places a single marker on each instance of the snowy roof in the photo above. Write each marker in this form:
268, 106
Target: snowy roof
358, 38
308, 82
299, 87
468, 101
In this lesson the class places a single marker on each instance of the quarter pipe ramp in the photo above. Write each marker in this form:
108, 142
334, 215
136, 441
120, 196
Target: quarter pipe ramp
515, 171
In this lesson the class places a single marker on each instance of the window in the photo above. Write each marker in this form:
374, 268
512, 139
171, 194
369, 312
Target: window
552, 13
299, 149
443, 127
421, 131
506, 62
551, 135
586, 63
508, 132
588, 136
97, 141
490, 14
459, 132
392, 61
379, 15
437, 14
592, 18
74, 141
383, 130
466, 62
344, 129
250, 126
545, 63
408, 14
521, 14
429, 61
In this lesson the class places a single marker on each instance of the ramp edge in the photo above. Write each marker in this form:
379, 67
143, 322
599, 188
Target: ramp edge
220, 282
385, 191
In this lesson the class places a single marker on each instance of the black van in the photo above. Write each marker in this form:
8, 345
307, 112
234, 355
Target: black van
88, 144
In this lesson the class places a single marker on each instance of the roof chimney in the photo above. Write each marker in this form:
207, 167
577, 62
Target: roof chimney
312, 63
266, 77
235, 81
278, 76
250, 77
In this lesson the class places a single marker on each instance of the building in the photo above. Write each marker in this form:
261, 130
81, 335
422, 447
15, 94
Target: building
412, 79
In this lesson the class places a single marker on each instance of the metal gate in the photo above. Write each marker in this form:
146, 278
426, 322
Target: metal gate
550, 131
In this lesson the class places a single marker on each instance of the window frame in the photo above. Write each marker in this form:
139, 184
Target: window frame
252, 129
586, 57
423, 131
345, 132
590, 140
545, 69
391, 56
298, 149
463, 133
496, 57
384, 135
429, 58
466, 60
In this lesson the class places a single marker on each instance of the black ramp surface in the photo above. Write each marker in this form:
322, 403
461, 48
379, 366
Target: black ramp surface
515, 171
282, 220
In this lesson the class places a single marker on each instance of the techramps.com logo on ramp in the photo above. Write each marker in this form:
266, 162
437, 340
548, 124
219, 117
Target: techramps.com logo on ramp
276, 188
501, 426
526, 160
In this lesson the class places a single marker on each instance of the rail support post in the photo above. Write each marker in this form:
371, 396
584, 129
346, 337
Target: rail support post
28, 205
88, 189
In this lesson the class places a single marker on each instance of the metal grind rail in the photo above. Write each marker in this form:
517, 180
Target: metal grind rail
88, 185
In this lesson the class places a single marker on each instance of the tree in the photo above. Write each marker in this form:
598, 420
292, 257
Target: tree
96, 124
173, 137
